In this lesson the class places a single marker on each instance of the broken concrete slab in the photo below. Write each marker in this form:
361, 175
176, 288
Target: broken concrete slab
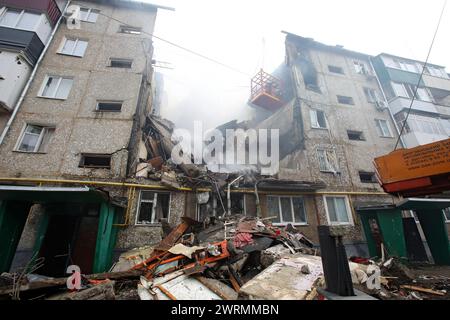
283, 280
184, 288
185, 250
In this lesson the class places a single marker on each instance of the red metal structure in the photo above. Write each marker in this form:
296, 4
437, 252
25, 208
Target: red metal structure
266, 91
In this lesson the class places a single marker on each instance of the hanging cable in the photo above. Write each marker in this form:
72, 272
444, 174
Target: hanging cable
181, 47
421, 75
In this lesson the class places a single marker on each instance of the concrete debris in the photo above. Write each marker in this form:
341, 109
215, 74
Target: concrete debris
187, 251
284, 279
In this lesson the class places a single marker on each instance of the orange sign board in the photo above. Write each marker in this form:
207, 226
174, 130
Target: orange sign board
406, 164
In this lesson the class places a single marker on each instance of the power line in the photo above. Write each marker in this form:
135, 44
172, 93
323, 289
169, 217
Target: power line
182, 48
421, 75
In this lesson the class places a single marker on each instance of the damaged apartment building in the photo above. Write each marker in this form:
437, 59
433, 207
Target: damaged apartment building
85, 168
72, 137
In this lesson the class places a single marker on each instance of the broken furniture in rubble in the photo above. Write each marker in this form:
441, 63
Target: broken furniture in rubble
388, 219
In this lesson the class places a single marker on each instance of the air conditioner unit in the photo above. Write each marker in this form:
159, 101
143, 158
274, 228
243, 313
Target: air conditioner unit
381, 105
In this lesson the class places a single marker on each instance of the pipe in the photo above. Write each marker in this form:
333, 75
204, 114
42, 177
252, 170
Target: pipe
229, 193
33, 73
257, 203
386, 101
100, 183
158, 187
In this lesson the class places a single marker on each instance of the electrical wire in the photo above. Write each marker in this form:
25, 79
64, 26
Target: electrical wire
181, 47
421, 75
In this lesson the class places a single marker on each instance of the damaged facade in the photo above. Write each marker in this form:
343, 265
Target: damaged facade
82, 120
86, 173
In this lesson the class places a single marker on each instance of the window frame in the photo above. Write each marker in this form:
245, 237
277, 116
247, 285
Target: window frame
330, 168
131, 30
89, 13
380, 129
336, 69
316, 111
280, 213
98, 155
77, 40
19, 18
60, 78
374, 179
120, 60
44, 130
350, 99
154, 202
108, 101
347, 207
360, 133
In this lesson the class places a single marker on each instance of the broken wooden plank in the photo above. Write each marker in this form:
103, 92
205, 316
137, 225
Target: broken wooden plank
102, 291
425, 290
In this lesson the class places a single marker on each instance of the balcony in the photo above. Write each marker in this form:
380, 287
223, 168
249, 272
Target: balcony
23, 41
49, 7
399, 103
436, 82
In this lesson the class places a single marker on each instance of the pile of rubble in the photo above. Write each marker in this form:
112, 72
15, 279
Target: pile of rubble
236, 257
400, 280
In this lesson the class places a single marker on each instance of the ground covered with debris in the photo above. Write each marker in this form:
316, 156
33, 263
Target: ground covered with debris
231, 258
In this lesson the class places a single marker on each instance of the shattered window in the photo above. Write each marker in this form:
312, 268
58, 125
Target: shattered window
345, 100
335, 69
327, 160
286, 210
337, 210
153, 207
318, 119
35, 138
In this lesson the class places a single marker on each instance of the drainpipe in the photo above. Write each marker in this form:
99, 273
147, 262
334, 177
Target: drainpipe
33, 73
229, 193
258, 205
386, 101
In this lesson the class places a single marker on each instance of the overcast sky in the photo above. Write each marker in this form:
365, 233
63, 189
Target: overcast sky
246, 34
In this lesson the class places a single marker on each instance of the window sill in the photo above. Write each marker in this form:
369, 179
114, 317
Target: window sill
30, 152
50, 98
319, 128
333, 172
148, 224
347, 224
69, 55
386, 137
291, 223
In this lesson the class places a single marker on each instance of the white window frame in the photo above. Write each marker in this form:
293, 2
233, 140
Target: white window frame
22, 12
331, 168
282, 222
89, 11
61, 47
44, 131
313, 115
154, 201
381, 133
60, 78
347, 207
